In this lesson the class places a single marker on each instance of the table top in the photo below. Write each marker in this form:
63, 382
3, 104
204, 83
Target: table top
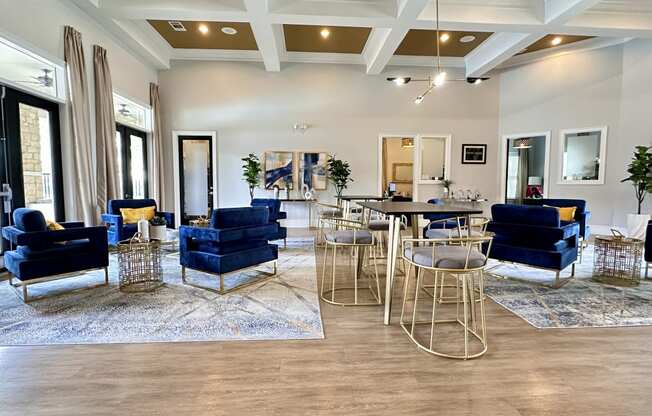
419, 208
296, 200
619, 240
362, 198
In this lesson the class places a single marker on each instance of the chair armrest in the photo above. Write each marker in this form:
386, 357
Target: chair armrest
201, 233
169, 218
112, 219
97, 235
11, 234
72, 224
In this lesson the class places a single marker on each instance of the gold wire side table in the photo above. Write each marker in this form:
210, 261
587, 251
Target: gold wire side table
140, 265
617, 260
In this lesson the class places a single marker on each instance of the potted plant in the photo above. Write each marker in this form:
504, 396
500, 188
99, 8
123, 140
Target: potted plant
339, 173
251, 170
446, 183
640, 175
158, 228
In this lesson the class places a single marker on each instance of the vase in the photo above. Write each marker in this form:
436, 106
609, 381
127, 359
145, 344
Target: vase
143, 229
158, 232
637, 225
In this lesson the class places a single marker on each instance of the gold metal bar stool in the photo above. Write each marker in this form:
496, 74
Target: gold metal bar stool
462, 259
352, 235
326, 212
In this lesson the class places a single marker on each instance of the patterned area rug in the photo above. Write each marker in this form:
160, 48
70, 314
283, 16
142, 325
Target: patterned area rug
283, 307
581, 303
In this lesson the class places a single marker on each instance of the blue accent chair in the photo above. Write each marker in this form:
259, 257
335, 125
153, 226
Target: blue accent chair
237, 238
275, 215
534, 236
41, 255
582, 214
118, 231
440, 221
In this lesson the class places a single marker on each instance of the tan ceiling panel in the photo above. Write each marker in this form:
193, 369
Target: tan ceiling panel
419, 42
546, 42
192, 38
303, 38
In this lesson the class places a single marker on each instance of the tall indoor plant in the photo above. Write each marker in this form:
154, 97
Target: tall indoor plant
339, 173
251, 170
640, 175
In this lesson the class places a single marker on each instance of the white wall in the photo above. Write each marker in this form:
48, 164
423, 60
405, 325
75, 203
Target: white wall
583, 90
253, 111
40, 24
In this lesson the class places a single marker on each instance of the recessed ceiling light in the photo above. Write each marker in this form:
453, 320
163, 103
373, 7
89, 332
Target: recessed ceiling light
325, 33
556, 41
203, 29
229, 30
444, 37
467, 39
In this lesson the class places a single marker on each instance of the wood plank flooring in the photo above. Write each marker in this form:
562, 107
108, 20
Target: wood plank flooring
362, 367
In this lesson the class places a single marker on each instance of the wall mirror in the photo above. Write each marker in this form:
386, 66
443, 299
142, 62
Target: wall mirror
583, 156
433, 159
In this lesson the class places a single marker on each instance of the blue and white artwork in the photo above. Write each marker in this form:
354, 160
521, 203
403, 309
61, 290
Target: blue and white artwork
279, 168
313, 170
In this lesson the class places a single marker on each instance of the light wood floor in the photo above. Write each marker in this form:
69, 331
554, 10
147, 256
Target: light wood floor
362, 367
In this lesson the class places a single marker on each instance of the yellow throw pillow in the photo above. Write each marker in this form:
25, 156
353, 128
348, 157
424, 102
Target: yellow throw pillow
565, 213
54, 226
133, 215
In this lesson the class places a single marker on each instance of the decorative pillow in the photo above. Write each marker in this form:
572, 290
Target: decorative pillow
565, 213
54, 226
133, 215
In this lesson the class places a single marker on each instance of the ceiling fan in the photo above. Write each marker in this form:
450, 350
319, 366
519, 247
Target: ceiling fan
124, 110
439, 79
44, 80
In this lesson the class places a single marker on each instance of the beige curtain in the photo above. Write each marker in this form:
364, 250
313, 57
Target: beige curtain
85, 193
157, 183
106, 152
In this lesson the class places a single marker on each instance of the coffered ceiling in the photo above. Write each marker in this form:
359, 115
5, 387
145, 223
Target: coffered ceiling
370, 33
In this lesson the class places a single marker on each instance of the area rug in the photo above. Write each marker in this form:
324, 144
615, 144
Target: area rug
581, 303
281, 308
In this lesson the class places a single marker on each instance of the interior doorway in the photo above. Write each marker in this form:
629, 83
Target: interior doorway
195, 175
397, 166
525, 167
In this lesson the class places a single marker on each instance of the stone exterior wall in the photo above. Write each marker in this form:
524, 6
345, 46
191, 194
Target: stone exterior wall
30, 140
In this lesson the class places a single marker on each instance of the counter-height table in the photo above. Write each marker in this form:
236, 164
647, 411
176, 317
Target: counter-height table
345, 201
394, 211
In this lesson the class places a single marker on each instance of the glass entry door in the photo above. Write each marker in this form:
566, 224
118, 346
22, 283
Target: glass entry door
132, 168
195, 176
30, 157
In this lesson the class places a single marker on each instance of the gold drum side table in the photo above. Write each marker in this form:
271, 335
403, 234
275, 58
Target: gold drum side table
617, 260
140, 265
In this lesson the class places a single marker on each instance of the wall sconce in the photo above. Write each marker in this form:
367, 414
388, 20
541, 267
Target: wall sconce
300, 127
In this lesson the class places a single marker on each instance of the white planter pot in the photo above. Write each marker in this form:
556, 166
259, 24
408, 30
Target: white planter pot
157, 232
637, 225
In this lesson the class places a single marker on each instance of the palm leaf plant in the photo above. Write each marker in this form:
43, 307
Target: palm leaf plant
251, 170
640, 174
339, 173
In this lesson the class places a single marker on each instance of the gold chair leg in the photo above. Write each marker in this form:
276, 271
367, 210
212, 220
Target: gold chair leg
434, 314
416, 299
221, 284
323, 270
466, 318
106, 276
25, 295
405, 291
333, 279
355, 275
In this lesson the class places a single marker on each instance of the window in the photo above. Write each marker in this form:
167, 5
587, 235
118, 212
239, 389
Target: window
583, 155
130, 113
29, 72
132, 165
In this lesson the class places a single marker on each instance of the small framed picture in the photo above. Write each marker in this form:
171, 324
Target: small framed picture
474, 154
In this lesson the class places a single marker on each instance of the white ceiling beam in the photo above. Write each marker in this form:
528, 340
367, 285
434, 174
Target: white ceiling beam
266, 34
561, 11
383, 42
154, 53
498, 48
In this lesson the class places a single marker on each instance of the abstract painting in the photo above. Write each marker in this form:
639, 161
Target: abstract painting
279, 168
313, 170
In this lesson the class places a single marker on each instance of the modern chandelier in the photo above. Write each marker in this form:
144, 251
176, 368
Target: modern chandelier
440, 78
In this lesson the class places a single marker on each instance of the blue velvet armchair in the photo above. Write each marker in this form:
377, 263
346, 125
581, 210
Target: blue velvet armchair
534, 236
275, 215
237, 239
582, 214
119, 231
40, 255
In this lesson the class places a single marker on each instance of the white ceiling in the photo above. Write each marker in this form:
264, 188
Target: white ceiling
516, 24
